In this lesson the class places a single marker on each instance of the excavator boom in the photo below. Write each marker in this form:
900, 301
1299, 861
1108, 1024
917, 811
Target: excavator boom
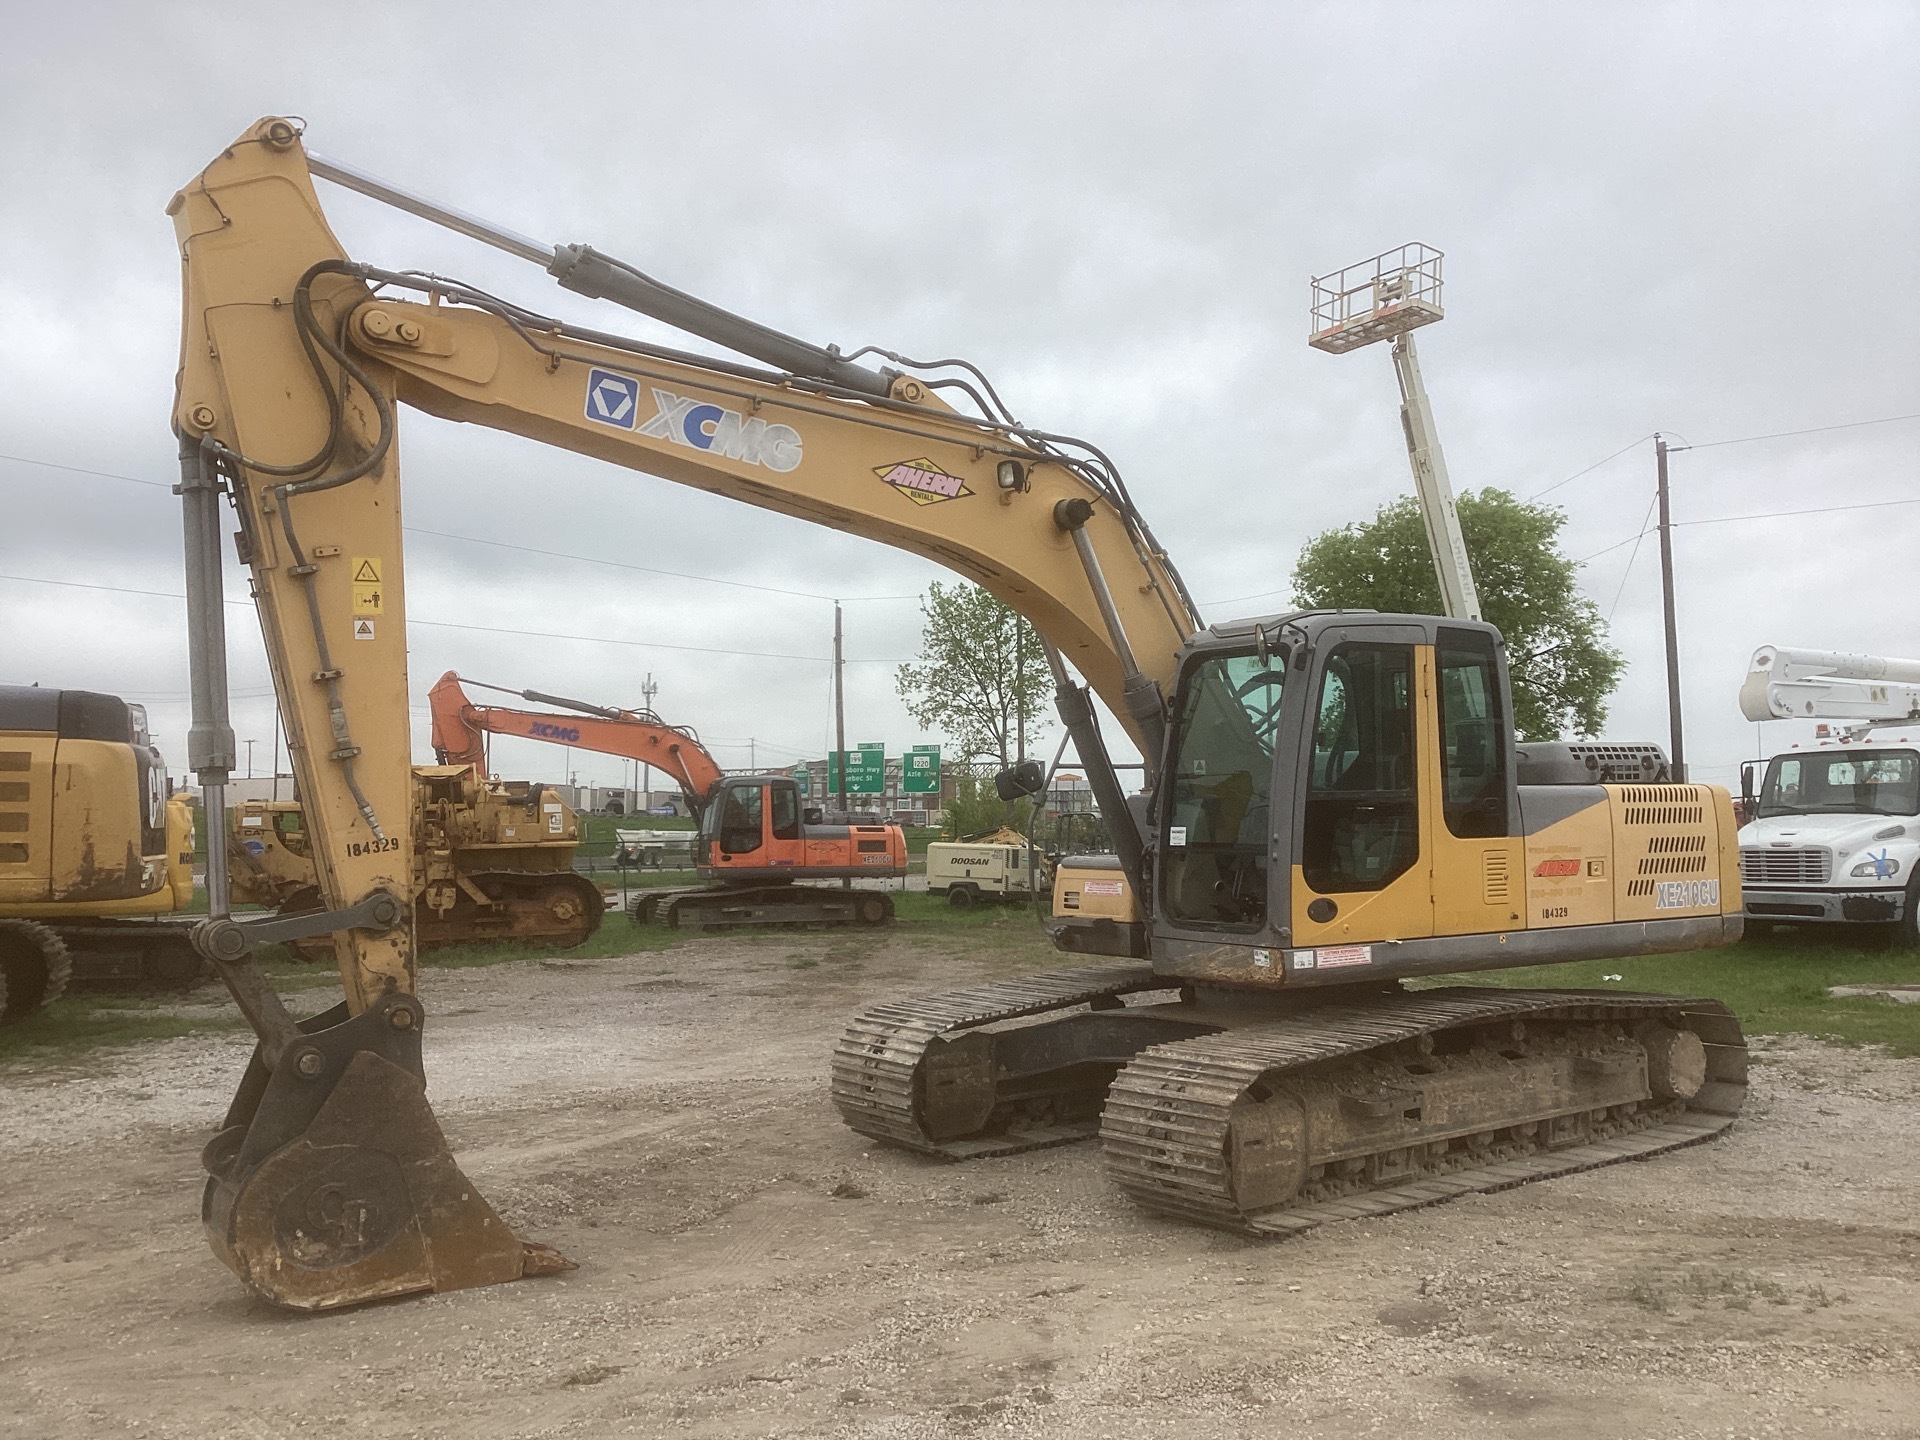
459, 728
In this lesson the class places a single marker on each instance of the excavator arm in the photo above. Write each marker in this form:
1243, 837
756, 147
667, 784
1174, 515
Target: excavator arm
295, 364
459, 728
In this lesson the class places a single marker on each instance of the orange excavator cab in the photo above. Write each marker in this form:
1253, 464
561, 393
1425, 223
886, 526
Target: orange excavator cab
756, 845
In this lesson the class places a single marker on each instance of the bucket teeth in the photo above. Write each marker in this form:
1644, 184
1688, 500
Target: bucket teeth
332, 1184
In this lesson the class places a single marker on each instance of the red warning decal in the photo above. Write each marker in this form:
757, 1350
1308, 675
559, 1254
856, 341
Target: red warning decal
1557, 867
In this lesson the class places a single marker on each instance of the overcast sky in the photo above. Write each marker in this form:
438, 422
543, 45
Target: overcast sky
1698, 219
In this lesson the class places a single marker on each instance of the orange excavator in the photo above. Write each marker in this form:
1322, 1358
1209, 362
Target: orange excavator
756, 844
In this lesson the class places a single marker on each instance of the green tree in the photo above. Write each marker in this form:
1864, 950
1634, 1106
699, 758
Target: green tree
1563, 668
982, 677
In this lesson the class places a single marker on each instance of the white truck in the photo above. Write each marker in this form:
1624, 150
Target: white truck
1832, 829
993, 869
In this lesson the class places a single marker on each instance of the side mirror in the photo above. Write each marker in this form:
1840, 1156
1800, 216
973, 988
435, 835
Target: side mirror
1746, 781
1020, 780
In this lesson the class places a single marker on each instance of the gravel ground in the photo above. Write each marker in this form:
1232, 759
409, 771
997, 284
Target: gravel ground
750, 1267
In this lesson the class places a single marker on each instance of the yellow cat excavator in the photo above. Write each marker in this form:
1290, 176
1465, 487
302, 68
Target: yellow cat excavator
96, 856
1335, 803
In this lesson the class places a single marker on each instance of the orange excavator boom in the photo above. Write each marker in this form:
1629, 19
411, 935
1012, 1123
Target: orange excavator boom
460, 728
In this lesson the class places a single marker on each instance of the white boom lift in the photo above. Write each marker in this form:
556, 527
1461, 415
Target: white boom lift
1389, 297
1866, 691
1833, 829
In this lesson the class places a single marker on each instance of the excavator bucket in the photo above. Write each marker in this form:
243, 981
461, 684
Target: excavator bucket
330, 1183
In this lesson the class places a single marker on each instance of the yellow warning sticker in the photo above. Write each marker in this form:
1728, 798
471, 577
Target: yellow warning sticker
367, 589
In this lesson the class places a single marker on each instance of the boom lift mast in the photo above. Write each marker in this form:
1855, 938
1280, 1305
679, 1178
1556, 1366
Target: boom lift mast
1389, 297
1303, 850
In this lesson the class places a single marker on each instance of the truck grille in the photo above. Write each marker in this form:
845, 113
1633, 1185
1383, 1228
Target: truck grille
1786, 867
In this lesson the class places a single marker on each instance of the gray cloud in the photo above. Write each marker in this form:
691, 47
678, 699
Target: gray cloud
1689, 218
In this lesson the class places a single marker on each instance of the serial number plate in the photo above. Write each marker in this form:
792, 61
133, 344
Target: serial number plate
1685, 894
371, 847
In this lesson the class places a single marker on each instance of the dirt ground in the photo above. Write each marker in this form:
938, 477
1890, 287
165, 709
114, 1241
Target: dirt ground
750, 1267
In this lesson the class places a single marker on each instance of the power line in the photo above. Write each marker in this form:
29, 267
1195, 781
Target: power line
486, 629
1762, 515
648, 569
1789, 434
1736, 440
1780, 514
1638, 440
80, 470
1239, 599
1644, 532
511, 545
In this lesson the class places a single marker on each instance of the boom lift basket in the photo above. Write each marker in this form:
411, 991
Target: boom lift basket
1396, 291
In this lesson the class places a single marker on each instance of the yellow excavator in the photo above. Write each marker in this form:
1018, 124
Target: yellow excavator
1334, 803
96, 857
493, 858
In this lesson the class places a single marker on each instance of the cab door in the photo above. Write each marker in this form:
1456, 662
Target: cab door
1364, 871
739, 827
1478, 855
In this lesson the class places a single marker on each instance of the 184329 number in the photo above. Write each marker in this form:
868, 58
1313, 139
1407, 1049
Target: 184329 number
371, 847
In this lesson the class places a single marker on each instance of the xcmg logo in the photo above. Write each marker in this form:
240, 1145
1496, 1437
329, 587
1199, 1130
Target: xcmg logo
567, 734
697, 424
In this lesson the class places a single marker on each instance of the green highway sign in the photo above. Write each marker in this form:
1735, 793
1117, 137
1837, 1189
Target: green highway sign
866, 770
920, 770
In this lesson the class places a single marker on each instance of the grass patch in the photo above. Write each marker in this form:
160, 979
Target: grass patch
616, 936
1703, 1288
77, 1024
1775, 985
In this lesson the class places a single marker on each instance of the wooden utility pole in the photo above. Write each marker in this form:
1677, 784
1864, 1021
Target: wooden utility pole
1679, 755
839, 705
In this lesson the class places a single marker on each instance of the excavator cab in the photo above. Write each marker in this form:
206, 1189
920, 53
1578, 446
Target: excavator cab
1341, 800
750, 824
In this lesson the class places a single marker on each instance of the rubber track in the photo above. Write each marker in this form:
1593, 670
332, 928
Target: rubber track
874, 1062
56, 964
1165, 1127
693, 919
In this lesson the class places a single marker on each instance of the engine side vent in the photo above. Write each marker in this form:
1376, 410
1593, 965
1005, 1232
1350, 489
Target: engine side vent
1663, 805
1624, 764
1496, 878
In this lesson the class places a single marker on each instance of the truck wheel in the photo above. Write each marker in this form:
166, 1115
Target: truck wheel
960, 898
1906, 930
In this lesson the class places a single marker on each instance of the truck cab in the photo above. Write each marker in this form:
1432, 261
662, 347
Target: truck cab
1833, 837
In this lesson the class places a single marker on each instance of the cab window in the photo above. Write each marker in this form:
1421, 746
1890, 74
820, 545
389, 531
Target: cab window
1473, 729
1362, 814
1218, 819
740, 820
786, 812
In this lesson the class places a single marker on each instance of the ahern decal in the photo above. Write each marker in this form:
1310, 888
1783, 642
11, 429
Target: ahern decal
922, 481
1554, 868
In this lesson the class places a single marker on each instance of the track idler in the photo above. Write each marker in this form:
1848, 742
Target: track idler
330, 1182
